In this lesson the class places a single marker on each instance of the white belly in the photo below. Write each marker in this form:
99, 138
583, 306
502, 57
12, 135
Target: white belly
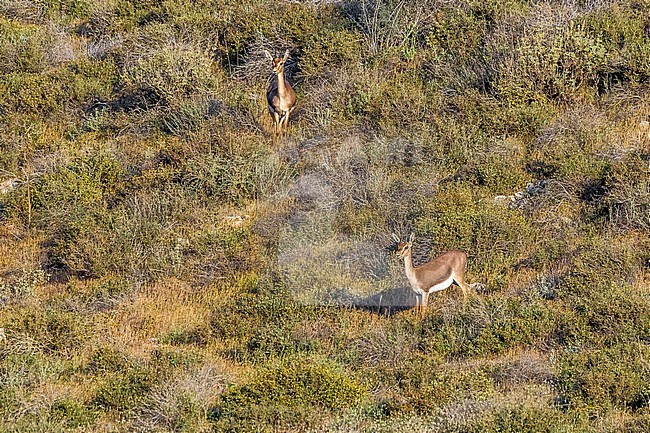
436, 288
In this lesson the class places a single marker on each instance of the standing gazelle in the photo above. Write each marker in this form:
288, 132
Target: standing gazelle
280, 95
435, 275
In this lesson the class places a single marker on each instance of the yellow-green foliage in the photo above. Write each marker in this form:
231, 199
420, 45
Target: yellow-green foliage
23, 48
287, 392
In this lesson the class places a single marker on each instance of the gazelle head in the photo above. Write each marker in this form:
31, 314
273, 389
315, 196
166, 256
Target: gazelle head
403, 248
278, 62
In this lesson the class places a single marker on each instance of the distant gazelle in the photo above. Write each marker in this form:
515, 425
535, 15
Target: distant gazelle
435, 275
280, 95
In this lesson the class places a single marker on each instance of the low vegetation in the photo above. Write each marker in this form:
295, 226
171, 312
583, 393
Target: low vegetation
165, 267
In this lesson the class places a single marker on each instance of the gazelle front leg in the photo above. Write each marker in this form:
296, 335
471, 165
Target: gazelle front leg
425, 302
286, 120
283, 124
276, 128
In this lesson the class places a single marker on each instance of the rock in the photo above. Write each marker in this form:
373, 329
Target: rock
505, 199
8, 185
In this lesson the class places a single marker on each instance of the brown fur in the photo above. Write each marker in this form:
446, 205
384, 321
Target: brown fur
280, 96
435, 275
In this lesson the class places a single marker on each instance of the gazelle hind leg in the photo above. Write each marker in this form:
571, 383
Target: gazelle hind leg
463, 287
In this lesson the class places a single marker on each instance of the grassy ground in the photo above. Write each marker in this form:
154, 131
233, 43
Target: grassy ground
166, 268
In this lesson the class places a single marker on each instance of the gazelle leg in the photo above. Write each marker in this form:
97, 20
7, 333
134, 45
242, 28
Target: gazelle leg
286, 122
277, 119
276, 123
425, 302
463, 287
283, 125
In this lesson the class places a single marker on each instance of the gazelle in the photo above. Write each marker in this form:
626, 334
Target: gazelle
280, 95
435, 275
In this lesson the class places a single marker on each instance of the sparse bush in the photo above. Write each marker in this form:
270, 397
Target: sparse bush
387, 24
171, 72
271, 320
627, 196
229, 177
22, 287
181, 404
72, 86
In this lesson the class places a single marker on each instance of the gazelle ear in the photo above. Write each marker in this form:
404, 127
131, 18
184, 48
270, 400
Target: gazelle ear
286, 55
268, 55
395, 237
412, 237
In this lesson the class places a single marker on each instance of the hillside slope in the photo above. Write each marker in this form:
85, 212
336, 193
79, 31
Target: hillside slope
166, 267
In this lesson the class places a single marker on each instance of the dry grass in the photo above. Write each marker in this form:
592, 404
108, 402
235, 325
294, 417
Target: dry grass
138, 325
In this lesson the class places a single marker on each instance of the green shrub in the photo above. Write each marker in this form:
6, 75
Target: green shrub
23, 286
330, 49
521, 419
523, 327
556, 63
108, 360
282, 394
71, 413
32, 93
8, 401
265, 326
187, 116
87, 181
496, 237
421, 384
23, 48
139, 12
101, 294
511, 116
164, 361
124, 391
230, 177
72, 86
133, 240
197, 336
623, 30
595, 379
512, 323
52, 329
68, 8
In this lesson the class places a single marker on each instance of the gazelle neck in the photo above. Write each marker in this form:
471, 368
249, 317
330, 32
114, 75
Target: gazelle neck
408, 267
282, 88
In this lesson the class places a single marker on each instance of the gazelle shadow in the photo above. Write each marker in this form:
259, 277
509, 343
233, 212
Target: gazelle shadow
386, 302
